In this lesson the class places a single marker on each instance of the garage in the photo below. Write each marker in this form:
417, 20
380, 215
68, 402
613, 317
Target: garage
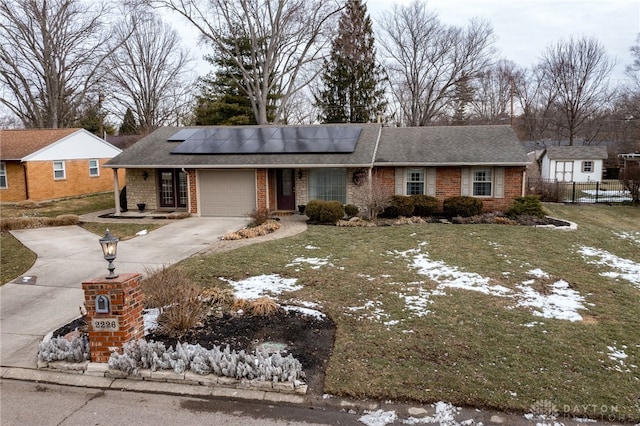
226, 192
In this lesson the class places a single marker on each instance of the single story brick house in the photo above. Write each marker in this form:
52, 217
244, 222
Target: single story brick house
229, 171
46, 164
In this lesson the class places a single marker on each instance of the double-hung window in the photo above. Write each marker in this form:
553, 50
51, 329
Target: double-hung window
482, 182
58, 170
587, 167
94, 168
415, 181
328, 184
3, 175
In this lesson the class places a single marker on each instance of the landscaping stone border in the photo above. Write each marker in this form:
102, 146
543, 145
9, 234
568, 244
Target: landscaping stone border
97, 369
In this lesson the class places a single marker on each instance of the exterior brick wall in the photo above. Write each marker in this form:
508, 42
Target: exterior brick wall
193, 192
125, 298
16, 189
42, 186
385, 177
262, 190
512, 188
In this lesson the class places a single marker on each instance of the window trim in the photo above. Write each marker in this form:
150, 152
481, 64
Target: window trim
3, 175
408, 181
491, 181
96, 167
591, 166
61, 169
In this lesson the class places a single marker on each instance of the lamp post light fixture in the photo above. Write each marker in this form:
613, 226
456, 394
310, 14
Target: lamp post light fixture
109, 245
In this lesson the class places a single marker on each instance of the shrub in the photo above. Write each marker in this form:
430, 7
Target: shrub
217, 296
400, 205
259, 216
529, 205
351, 210
177, 298
13, 223
424, 205
320, 211
462, 206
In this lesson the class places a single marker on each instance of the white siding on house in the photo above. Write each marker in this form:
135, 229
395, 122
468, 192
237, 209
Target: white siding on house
76, 146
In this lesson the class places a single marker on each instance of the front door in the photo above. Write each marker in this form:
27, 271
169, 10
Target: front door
173, 188
286, 195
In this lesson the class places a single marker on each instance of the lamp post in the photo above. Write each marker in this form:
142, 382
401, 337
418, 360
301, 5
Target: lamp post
109, 245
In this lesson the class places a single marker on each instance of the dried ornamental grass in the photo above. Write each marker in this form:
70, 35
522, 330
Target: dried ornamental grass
263, 306
257, 231
217, 296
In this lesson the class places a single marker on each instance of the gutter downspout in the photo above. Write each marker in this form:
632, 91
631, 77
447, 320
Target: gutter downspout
524, 183
26, 180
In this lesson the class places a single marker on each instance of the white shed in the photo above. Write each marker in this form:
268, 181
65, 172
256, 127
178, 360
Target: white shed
573, 163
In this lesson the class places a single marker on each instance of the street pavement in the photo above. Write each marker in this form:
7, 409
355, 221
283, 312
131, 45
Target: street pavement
49, 295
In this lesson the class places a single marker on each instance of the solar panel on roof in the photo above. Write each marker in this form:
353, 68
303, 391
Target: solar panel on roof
269, 140
183, 135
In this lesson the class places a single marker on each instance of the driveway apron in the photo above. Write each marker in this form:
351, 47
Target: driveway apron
49, 295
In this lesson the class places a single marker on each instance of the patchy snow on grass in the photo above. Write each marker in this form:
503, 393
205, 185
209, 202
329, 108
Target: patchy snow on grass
563, 302
619, 358
625, 269
262, 285
445, 415
632, 236
312, 247
450, 276
371, 311
538, 273
315, 262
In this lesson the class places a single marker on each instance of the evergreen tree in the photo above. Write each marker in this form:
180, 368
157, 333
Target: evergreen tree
223, 98
352, 78
129, 125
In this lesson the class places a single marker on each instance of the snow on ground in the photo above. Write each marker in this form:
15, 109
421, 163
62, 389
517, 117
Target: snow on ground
619, 358
632, 236
563, 302
150, 319
262, 285
444, 415
305, 311
621, 268
315, 262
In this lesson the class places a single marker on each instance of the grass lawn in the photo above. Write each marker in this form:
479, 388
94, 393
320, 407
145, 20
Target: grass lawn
76, 205
437, 312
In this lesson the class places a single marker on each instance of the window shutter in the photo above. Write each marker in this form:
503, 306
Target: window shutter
430, 184
465, 188
400, 175
498, 182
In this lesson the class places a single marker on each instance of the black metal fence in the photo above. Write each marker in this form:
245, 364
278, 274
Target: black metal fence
609, 191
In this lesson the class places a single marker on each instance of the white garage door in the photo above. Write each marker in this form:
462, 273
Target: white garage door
227, 192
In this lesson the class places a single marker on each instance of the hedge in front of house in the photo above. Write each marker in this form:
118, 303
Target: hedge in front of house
320, 211
400, 205
463, 206
529, 205
424, 205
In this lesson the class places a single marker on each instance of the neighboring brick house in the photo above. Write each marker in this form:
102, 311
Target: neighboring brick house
48, 164
229, 171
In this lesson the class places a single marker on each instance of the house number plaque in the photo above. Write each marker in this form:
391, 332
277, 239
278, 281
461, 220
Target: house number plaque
105, 324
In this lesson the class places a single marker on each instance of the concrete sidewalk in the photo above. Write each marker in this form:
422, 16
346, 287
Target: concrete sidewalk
49, 295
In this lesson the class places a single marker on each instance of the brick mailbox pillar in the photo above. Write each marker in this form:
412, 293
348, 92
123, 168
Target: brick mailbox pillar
114, 313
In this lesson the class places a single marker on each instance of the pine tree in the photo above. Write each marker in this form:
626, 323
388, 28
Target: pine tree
352, 78
129, 125
223, 100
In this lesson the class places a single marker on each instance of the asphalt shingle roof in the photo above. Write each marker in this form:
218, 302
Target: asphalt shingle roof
462, 145
450, 145
17, 144
577, 152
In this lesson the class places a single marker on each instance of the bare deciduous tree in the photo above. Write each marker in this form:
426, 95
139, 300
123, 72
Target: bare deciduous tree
577, 76
286, 36
146, 72
427, 59
50, 58
492, 93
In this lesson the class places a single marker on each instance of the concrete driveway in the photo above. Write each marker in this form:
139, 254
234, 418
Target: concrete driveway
49, 295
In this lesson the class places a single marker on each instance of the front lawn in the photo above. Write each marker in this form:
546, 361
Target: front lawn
493, 316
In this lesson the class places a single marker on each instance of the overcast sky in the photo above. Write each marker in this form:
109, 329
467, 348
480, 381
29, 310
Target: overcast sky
524, 28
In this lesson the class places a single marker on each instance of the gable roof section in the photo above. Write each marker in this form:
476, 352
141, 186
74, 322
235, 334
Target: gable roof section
450, 145
577, 152
155, 151
17, 144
